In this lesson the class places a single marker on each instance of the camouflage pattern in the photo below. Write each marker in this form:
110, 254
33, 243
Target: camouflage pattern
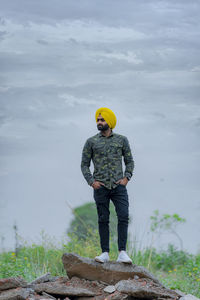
106, 154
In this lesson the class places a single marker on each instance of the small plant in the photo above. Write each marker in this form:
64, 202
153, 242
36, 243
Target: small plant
166, 222
160, 224
169, 259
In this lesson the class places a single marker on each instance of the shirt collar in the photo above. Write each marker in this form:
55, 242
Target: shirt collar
101, 135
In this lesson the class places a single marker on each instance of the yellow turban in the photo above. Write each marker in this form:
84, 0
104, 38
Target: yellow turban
108, 116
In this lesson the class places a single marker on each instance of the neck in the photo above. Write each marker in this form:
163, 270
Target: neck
107, 132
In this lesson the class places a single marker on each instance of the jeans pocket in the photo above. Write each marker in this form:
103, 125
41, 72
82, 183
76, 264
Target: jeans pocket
99, 189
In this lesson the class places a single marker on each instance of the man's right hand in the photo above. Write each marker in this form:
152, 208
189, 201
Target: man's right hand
97, 184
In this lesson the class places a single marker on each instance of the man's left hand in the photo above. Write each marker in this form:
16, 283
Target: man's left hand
122, 181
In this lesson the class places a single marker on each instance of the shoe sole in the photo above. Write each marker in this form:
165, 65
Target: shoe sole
125, 262
100, 261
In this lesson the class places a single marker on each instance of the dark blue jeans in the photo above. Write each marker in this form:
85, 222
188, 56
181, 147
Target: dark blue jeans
119, 197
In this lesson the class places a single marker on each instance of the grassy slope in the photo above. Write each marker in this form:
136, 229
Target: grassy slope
176, 269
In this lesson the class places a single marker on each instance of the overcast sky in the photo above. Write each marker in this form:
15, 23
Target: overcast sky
62, 60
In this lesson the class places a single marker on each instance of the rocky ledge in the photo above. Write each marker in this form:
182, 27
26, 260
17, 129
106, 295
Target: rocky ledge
90, 280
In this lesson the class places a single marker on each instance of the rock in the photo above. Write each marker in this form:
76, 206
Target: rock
44, 296
38, 297
180, 293
44, 278
118, 296
89, 298
189, 297
115, 296
145, 289
56, 288
48, 296
15, 294
109, 272
85, 298
63, 279
110, 289
12, 282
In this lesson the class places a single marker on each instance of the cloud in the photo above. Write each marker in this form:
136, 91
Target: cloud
42, 42
2, 34
72, 101
196, 69
129, 57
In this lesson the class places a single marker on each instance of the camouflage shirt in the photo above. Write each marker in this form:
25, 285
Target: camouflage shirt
106, 154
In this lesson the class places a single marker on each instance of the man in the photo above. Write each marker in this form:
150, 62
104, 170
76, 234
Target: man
106, 149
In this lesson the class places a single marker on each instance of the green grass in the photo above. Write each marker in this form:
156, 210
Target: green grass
176, 269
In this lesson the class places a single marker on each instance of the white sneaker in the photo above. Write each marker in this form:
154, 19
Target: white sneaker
123, 257
104, 257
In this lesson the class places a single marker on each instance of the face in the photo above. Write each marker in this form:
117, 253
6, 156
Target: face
101, 124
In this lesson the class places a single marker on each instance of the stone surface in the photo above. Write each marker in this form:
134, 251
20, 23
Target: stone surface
12, 282
15, 294
48, 296
110, 289
56, 288
109, 272
38, 297
118, 296
42, 298
85, 298
91, 298
44, 278
180, 293
145, 289
115, 296
189, 297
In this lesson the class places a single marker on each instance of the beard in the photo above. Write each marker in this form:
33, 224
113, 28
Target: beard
102, 128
